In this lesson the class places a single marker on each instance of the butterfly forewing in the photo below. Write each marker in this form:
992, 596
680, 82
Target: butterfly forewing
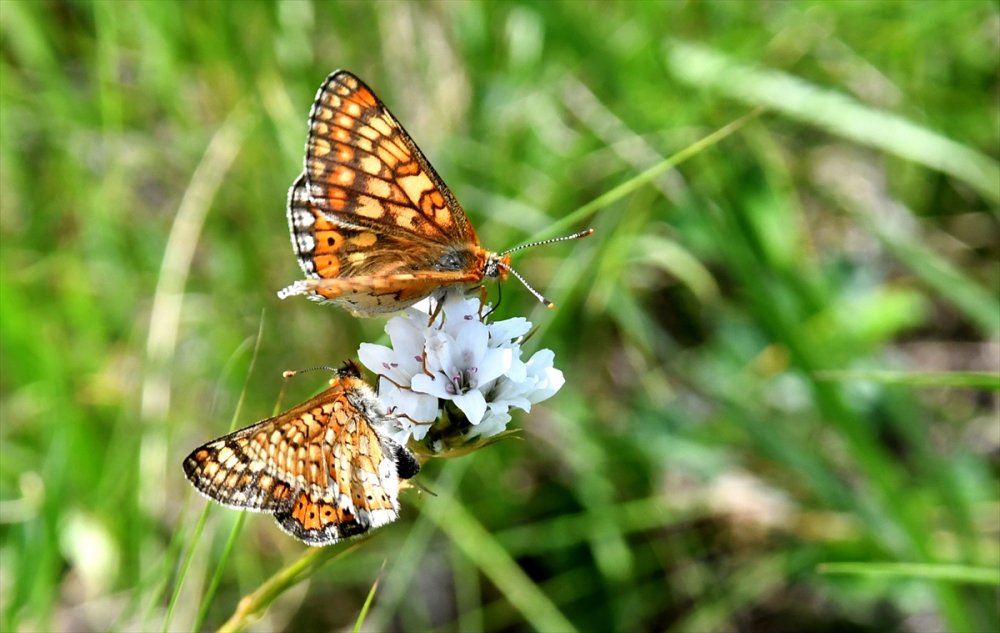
321, 468
362, 167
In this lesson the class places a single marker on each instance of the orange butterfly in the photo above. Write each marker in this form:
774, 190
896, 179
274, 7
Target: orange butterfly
325, 469
373, 226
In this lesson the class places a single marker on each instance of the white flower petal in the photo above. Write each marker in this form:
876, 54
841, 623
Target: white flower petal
503, 332
407, 339
436, 386
542, 358
437, 348
507, 393
471, 341
472, 404
425, 305
382, 361
517, 371
420, 407
493, 364
549, 380
458, 308
419, 431
491, 425
398, 430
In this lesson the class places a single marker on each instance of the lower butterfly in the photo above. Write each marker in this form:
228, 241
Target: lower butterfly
374, 227
324, 469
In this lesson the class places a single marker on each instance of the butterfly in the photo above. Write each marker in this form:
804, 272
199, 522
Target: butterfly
324, 469
373, 226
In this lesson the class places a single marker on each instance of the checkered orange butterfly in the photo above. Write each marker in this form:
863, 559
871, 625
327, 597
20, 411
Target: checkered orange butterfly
374, 227
325, 469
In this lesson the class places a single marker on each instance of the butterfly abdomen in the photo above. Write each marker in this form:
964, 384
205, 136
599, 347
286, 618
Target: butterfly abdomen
407, 465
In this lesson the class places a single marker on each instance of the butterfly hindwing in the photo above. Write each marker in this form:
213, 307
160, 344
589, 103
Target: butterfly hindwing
328, 250
363, 270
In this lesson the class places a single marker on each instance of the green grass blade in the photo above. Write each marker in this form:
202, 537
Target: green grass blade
950, 573
495, 562
220, 567
406, 565
368, 603
649, 175
185, 566
970, 379
237, 526
834, 112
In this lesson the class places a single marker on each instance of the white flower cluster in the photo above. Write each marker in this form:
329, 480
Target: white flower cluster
461, 367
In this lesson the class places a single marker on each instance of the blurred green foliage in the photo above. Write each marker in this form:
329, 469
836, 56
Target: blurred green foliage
698, 466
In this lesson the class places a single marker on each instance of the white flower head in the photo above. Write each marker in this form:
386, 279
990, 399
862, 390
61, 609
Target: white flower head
453, 382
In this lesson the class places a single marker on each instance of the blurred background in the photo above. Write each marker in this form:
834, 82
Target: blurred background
780, 356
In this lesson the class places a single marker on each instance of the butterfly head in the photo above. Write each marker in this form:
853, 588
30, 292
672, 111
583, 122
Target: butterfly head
497, 266
349, 370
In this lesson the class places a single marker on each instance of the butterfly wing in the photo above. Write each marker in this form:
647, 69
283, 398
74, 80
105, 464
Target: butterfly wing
364, 269
369, 217
235, 471
363, 169
320, 468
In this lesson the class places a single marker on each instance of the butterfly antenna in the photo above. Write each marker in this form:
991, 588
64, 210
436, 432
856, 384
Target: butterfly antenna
564, 238
538, 295
288, 373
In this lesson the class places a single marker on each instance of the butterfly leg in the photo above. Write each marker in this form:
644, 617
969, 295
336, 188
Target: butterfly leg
391, 381
423, 363
438, 307
392, 412
483, 302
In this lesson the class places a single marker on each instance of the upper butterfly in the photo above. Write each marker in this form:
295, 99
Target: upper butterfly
374, 227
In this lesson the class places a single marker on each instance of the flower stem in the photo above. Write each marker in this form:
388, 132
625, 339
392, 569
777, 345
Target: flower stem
256, 602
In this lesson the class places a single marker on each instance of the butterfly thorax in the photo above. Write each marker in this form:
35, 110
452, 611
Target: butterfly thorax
363, 398
473, 260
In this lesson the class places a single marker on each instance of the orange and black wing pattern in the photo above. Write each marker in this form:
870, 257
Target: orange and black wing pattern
373, 225
321, 468
363, 168
364, 270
